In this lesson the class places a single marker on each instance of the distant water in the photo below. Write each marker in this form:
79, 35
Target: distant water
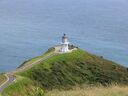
29, 27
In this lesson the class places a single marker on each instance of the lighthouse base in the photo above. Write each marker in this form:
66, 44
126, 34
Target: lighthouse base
59, 50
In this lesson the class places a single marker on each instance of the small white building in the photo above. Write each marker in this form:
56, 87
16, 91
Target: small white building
64, 44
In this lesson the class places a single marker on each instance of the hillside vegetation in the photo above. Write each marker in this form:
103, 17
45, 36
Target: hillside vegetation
76, 68
23, 87
112, 90
2, 78
67, 71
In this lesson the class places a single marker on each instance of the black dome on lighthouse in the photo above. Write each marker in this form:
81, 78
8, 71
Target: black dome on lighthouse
64, 36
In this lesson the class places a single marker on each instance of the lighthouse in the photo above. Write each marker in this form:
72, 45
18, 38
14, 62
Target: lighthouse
64, 44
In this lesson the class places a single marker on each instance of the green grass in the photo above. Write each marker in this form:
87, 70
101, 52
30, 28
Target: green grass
2, 78
22, 87
76, 68
65, 71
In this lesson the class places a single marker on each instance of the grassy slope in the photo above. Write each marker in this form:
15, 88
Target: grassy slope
113, 90
67, 70
78, 67
22, 87
2, 78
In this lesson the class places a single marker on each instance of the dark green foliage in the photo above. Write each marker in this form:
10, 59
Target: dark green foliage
77, 68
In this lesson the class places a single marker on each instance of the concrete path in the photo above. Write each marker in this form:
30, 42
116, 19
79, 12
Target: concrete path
34, 63
10, 76
10, 79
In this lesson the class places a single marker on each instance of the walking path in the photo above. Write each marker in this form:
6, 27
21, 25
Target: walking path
9, 80
10, 77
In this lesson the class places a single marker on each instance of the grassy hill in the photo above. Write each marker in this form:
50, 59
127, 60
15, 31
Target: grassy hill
78, 67
65, 71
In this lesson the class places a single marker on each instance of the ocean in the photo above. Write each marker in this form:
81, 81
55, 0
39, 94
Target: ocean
29, 27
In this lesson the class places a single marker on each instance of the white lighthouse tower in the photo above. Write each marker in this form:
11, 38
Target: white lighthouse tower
64, 44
